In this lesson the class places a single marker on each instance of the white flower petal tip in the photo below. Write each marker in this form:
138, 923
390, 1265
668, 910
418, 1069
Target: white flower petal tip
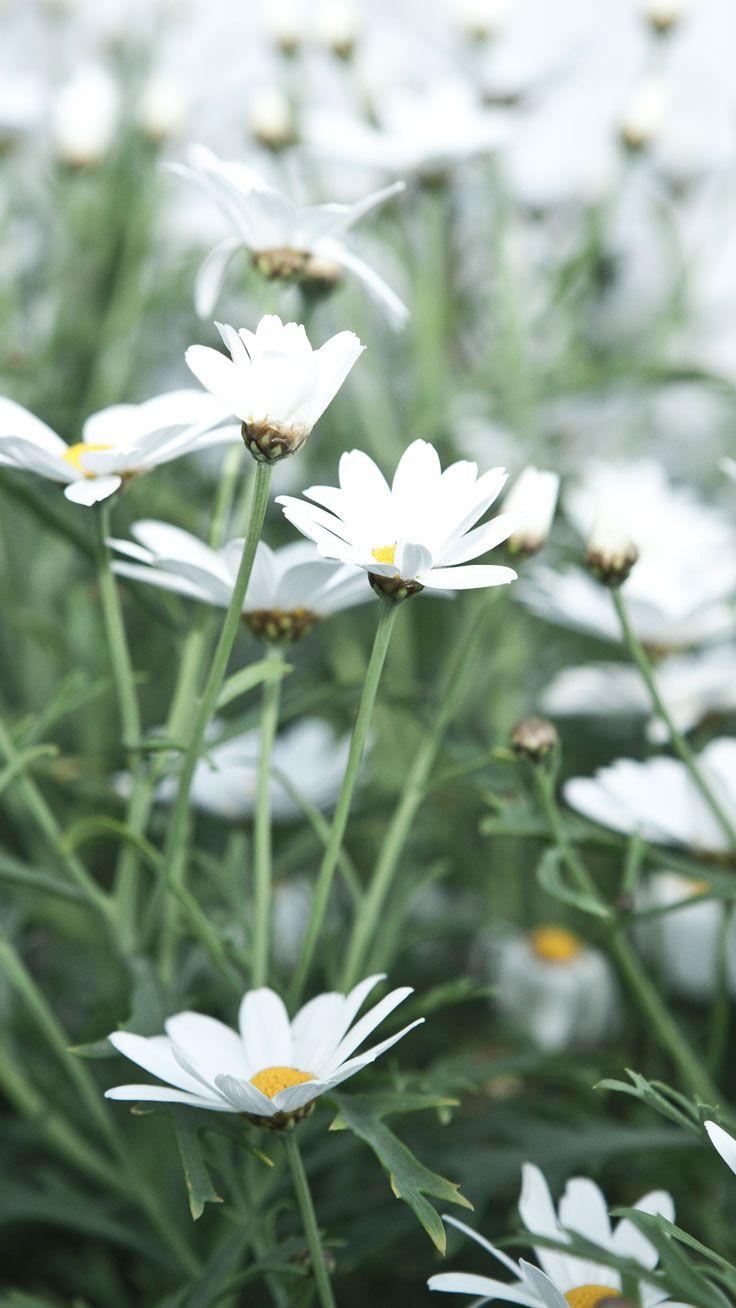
274, 1069
724, 1143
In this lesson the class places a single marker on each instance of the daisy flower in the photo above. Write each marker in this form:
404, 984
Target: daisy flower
659, 799
684, 944
565, 1280
285, 241
117, 443
534, 497
289, 590
274, 382
414, 533
272, 1070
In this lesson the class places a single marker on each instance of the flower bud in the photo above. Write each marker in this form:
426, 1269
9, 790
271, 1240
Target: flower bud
285, 25
534, 738
663, 15
268, 442
271, 119
161, 109
86, 115
644, 116
533, 497
338, 27
611, 554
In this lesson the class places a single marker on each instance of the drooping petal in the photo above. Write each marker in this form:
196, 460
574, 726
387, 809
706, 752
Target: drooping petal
472, 576
90, 490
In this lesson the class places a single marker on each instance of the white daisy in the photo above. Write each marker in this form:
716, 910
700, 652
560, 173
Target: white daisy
534, 497
117, 443
286, 241
414, 533
289, 589
274, 1069
684, 944
566, 1280
659, 799
554, 988
274, 382
306, 756
86, 116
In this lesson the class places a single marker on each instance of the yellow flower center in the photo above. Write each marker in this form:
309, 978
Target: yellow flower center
385, 553
698, 887
555, 945
74, 453
590, 1296
273, 1079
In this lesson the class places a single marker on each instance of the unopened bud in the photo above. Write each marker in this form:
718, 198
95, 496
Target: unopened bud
338, 27
611, 554
271, 119
663, 15
480, 19
280, 626
533, 497
643, 119
534, 738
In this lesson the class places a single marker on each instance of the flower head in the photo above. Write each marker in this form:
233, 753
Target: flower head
117, 443
685, 942
534, 497
273, 1069
287, 242
415, 532
274, 382
289, 590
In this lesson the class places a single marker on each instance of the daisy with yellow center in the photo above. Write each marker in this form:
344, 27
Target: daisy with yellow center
555, 944
73, 455
272, 1070
554, 989
593, 1296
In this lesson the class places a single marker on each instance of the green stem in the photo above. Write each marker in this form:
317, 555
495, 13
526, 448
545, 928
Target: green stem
175, 850
666, 1030
309, 1220
342, 810
415, 787
262, 852
678, 741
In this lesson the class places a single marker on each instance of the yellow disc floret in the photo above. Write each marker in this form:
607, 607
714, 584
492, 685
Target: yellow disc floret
74, 453
272, 1079
385, 553
555, 944
590, 1296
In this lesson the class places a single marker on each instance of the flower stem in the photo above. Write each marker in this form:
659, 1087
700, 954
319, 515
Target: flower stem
262, 853
309, 1220
415, 786
666, 1030
331, 853
175, 850
677, 740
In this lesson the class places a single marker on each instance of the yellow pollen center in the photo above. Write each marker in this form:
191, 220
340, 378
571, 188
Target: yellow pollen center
699, 887
589, 1296
74, 453
385, 553
555, 945
273, 1079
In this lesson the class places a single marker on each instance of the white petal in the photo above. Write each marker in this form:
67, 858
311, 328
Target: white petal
473, 576
723, 1142
219, 376
362, 1029
17, 421
244, 1097
211, 275
161, 1094
207, 1046
154, 1055
469, 1283
265, 1031
32, 457
90, 490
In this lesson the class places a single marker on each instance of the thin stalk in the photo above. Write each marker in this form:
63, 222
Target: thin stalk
643, 990
368, 916
677, 740
126, 889
174, 858
262, 834
309, 1221
342, 810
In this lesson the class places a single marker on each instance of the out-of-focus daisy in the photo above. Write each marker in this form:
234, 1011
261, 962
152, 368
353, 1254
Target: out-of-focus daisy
554, 988
306, 756
684, 943
21, 106
271, 119
117, 443
565, 1281
286, 242
673, 602
274, 382
414, 533
533, 497
644, 115
663, 15
289, 590
422, 132
659, 799
692, 686
338, 26
161, 109
274, 1069
86, 116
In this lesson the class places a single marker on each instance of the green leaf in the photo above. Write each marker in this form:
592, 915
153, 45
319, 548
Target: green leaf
551, 879
198, 1180
685, 1278
662, 1098
409, 1179
248, 678
99, 826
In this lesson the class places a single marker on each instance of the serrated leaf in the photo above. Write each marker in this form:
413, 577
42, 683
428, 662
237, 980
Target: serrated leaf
196, 1175
409, 1179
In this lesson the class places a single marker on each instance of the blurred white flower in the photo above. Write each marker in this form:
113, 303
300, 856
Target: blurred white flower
411, 534
274, 382
117, 443
533, 497
162, 107
554, 989
306, 756
286, 241
289, 589
338, 26
86, 117
271, 118
684, 944
479, 19
644, 114
273, 1068
566, 1281
693, 686
664, 14
658, 798
285, 24
21, 106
